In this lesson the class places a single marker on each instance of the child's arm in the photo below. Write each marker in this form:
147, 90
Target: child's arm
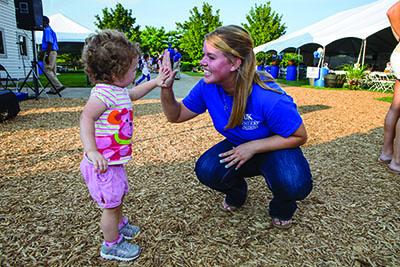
143, 89
91, 112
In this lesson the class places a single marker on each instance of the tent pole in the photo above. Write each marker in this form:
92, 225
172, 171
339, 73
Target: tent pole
364, 49
322, 58
298, 68
359, 54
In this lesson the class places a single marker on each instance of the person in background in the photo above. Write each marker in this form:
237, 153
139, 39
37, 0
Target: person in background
50, 48
261, 124
177, 64
145, 69
106, 129
388, 68
390, 153
171, 53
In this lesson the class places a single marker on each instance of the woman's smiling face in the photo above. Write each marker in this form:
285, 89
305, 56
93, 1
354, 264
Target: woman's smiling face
218, 69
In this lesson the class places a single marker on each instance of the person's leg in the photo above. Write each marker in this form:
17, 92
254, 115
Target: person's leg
213, 174
391, 119
395, 162
109, 224
51, 70
148, 77
287, 174
140, 80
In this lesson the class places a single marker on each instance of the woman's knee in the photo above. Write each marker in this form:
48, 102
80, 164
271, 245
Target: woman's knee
288, 174
301, 189
205, 171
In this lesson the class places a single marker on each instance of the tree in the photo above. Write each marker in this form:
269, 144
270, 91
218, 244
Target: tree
120, 19
153, 40
264, 24
193, 31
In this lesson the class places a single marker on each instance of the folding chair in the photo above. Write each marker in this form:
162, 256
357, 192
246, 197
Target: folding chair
6, 78
374, 82
386, 81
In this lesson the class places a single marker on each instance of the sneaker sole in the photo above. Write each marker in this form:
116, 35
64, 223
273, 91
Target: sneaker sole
112, 257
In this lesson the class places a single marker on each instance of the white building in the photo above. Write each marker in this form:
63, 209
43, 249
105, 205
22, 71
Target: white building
16, 51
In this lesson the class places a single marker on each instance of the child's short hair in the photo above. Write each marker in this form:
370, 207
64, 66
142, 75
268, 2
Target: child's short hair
108, 55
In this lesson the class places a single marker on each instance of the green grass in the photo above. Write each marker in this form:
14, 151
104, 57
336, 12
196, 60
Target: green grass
385, 99
305, 84
76, 79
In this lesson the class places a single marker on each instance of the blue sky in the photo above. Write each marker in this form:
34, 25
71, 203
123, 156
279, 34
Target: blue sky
296, 14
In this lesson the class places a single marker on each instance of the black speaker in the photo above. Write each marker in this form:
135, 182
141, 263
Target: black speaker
29, 14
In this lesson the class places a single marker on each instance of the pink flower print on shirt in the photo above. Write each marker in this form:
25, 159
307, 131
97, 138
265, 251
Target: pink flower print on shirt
116, 146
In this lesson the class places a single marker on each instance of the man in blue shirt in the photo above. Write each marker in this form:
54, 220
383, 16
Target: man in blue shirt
50, 48
177, 63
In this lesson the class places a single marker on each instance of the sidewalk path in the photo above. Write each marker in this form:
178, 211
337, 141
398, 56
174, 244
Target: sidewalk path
181, 88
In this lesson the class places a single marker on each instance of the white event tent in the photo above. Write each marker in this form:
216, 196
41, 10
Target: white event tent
364, 29
66, 29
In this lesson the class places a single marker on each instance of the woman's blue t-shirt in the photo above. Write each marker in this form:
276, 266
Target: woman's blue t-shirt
267, 113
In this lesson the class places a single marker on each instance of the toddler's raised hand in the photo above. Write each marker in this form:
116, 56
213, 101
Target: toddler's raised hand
162, 76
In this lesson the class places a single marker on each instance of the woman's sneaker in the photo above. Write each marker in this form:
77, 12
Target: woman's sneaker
129, 231
122, 251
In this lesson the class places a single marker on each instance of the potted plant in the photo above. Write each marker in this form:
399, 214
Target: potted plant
340, 80
272, 61
290, 61
330, 80
260, 59
354, 75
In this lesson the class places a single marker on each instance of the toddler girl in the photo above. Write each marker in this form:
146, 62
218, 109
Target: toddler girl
106, 128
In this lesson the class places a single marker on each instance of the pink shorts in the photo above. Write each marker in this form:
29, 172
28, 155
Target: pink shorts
108, 188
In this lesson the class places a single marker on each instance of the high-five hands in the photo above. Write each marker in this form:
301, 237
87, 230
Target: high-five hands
166, 64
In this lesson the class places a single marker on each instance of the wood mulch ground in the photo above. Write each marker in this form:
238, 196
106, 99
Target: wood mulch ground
352, 217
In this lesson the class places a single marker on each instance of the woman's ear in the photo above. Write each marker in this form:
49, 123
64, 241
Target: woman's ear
236, 62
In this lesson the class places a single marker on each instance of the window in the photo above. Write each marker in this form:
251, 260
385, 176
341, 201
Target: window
2, 43
23, 48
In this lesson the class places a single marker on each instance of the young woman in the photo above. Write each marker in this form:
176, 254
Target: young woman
260, 122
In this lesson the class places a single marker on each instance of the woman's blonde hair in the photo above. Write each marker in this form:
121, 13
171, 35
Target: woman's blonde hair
236, 42
107, 55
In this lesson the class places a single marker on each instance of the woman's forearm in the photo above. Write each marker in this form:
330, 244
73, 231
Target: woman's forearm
170, 106
276, 142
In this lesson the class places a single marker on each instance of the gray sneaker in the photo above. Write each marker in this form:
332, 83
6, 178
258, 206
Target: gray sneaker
129, 231
123, 251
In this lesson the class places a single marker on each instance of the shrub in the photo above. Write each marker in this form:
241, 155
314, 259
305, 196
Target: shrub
291, 59
186, 66
354, 75
260, 58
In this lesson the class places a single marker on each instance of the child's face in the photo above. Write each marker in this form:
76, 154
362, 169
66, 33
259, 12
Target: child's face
129, 76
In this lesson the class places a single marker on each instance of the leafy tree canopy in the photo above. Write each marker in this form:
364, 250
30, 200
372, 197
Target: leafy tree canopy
120, 19
153, 40
193, 31
264, 24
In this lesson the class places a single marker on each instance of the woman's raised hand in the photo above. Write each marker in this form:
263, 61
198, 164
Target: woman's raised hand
166, 65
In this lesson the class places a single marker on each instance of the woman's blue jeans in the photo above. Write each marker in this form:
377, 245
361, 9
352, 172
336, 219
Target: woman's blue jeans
286, 173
